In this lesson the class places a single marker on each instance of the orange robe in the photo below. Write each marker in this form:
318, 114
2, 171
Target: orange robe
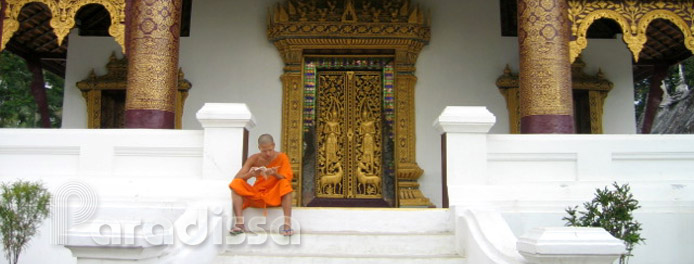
266, 192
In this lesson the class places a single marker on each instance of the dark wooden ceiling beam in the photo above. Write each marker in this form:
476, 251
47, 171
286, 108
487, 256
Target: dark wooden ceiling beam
44, 45
42, 26
96, 21
31, 17
670, 42
650, 49
46, 33
53, 62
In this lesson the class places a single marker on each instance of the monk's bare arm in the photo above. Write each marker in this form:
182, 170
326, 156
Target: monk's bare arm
273, 172
245, 172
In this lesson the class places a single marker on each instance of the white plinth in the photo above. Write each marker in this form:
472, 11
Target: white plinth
570, 245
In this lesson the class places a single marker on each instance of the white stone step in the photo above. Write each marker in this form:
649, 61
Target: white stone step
337, 259
346, 235
367, 220
346, 244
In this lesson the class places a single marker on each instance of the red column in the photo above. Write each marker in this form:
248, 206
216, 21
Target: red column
545, 71
154, 31
655, 96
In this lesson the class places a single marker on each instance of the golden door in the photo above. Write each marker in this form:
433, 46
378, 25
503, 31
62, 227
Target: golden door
349, 138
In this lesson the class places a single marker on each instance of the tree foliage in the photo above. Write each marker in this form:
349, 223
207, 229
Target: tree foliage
611, 210
671, 81
17, 105
23, 206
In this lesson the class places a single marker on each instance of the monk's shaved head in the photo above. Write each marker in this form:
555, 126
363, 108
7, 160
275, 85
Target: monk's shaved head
265, 139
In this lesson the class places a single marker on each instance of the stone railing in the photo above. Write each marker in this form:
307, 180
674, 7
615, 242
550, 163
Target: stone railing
137, 192
528, 180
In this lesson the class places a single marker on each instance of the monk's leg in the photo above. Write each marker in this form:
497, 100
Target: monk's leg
237, 207
287, 208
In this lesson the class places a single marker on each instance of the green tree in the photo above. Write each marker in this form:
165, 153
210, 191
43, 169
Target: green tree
641, 89
17, 105
23, 207
613, 211
54, 92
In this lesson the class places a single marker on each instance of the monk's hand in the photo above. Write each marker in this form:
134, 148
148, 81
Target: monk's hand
255, 171
273, 171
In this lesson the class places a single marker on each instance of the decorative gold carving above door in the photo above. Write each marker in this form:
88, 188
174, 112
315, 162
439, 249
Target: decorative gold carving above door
349, 160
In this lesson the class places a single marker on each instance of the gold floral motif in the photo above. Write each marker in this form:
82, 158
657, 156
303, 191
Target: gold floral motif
64, 17
331, 107
367, 119
633, 17
395, 19
115, 79
349, 135
291, 122
545, 78
597, 86
153, 65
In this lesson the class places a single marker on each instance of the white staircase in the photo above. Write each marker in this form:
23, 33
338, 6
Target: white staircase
346, 235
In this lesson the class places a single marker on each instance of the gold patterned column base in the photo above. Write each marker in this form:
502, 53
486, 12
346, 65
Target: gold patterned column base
408, 189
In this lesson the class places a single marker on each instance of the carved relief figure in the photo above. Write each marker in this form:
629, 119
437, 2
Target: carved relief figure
367, 130
332, 132
332, 183
368, 184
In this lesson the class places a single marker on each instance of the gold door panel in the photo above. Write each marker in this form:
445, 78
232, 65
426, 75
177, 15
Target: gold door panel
349, 138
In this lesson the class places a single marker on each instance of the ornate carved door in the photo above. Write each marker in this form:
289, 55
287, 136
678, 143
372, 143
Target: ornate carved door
349, 141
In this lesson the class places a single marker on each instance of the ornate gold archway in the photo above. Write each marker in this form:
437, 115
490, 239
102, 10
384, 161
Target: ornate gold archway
64, 17
632, 16
300, 27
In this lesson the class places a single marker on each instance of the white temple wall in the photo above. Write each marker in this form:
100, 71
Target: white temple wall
613, 57
84, 55
228, 58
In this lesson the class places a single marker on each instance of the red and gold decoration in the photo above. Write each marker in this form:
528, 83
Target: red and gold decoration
545, 72
63, 17
105, 95
596, 86
153, 64
395, 29
633, 17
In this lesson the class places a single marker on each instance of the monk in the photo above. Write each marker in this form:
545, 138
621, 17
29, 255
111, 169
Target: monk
272, 186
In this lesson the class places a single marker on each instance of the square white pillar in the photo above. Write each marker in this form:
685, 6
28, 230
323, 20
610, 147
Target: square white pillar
224, 125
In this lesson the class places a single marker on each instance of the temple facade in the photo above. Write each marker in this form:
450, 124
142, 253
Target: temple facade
350, 90
235, 61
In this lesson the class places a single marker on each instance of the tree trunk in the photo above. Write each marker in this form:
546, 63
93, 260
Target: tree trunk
38, 89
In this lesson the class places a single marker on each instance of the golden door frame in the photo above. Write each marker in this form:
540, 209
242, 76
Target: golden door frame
302, 27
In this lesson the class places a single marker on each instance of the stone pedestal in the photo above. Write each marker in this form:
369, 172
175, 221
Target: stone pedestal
569, 245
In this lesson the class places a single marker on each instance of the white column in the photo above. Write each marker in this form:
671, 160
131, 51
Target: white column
570, 245
465, 129
224, 125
